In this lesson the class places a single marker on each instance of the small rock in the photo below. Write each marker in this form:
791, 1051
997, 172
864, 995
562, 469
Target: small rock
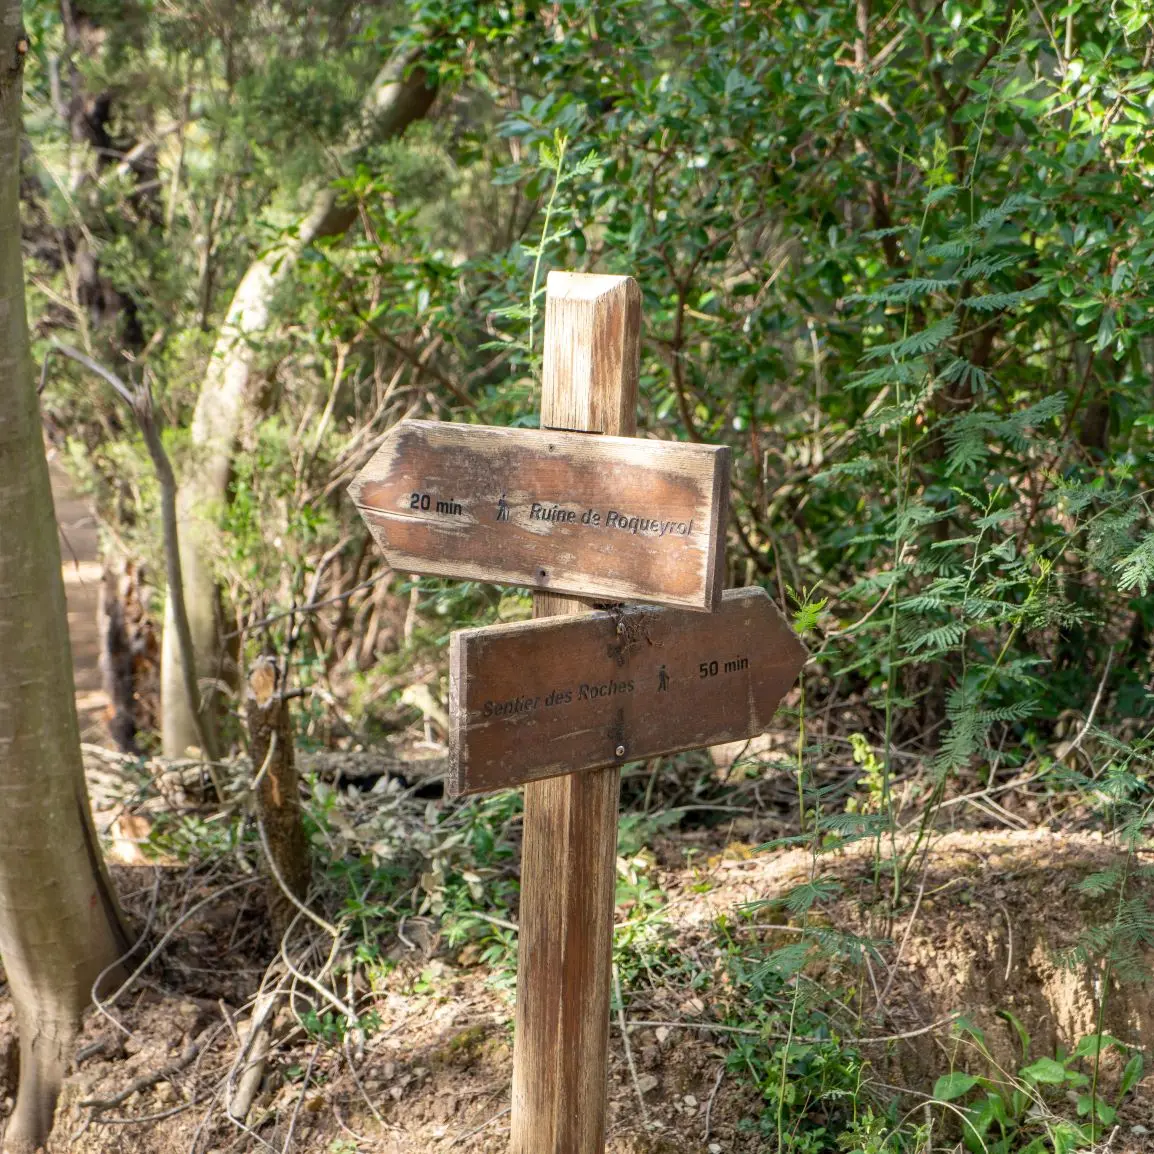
690, 1100
646, 1083
1138, 1128
715, 1148
166, 1093
662, 1034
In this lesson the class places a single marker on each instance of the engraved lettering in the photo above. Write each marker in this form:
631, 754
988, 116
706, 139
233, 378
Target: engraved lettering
713, 668
557, 514
615, 519
539, 512
586, 692
510, 708
424, 502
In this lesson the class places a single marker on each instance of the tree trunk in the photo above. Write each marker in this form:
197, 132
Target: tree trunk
400, 94
278, 799
59, 922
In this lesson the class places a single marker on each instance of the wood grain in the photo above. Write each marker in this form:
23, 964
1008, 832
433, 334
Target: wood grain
535, 699
568, 876
614, 518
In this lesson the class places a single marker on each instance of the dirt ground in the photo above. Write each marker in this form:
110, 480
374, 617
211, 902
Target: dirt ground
434, 1073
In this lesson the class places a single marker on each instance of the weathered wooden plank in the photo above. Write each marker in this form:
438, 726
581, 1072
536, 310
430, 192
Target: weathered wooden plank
614, 518
538, 698
568, 861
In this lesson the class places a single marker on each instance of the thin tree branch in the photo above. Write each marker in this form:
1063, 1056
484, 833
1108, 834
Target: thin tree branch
139, 401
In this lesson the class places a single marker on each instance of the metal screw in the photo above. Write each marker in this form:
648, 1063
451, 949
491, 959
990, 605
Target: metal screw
621, 751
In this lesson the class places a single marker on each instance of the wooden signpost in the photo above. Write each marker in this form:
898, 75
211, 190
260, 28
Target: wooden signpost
559, 704
609, 517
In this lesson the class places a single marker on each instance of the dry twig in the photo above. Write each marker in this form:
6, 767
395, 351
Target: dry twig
625, 1042
147, 1081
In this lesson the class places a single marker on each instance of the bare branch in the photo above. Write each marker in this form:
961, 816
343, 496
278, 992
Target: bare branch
139, 401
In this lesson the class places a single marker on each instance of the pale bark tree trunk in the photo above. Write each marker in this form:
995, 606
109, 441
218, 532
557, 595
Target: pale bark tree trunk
59, 923
401, 93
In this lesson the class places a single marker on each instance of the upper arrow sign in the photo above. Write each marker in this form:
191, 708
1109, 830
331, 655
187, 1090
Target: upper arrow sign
609, 518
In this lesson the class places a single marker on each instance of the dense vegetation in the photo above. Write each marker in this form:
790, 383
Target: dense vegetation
900, 258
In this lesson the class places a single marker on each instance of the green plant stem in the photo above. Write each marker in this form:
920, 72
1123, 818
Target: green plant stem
562, 143
801, 757
903, 482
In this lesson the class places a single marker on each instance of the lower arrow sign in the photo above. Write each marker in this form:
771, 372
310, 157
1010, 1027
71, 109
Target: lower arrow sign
539, 698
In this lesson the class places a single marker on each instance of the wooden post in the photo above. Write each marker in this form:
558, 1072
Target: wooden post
560, 1059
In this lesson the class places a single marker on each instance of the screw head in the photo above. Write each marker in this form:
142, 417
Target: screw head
621, 751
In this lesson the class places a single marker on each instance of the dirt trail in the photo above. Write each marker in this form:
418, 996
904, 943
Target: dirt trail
80, 548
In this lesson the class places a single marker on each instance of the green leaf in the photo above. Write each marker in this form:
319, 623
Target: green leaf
995, 216
1137, 568
1103, 1110
923, 341
1131, 1075
806, 895
1019, 1029
1069, 1137
1093, 1044
1047, 1071
953, 1085
808, 615
996, 302
906, 290
988, 265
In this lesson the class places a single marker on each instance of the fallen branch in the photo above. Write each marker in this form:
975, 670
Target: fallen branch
718, 1028
624, 1026
477, 1129
709, 1104
147, 1081
252, 1058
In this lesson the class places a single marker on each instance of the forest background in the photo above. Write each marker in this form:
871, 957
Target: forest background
900, 258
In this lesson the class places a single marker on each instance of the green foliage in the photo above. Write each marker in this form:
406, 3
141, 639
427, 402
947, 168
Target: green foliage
1023, 1114
332, 1028
920, 333
816, 1086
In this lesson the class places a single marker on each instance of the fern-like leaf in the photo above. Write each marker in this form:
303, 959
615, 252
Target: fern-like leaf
917, 344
